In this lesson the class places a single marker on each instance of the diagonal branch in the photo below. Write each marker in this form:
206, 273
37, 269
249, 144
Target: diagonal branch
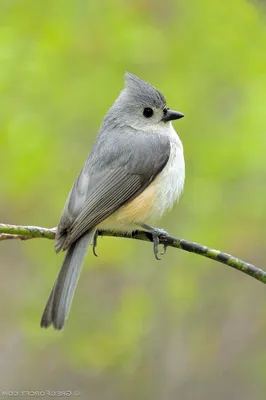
31, 232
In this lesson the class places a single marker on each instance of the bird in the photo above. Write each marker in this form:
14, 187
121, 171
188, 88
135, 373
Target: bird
135, 171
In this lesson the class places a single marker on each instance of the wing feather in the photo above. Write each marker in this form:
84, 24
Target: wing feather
109, 199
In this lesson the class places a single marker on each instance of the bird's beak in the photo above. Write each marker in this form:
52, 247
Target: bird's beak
170, 115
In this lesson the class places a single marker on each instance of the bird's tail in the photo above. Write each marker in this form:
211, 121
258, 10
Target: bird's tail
60, 299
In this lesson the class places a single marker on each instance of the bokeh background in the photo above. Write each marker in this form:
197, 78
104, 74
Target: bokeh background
184, 327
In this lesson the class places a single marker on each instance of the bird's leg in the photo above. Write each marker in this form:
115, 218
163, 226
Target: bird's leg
94, 242
156, 233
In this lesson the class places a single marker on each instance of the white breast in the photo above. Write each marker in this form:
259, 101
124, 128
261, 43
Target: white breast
169, 183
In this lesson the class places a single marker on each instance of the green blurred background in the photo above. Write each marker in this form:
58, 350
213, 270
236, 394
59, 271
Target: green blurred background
184, 327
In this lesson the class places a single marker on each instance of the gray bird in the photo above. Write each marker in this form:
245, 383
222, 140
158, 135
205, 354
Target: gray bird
134, 172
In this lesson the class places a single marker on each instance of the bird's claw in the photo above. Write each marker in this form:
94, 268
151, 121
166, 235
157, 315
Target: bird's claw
164, 249
94, 243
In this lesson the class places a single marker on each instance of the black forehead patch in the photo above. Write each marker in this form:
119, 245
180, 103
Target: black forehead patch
143, 93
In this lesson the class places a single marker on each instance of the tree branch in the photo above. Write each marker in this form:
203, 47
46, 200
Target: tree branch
31, 232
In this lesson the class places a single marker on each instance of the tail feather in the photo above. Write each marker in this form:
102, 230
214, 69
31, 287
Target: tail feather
60, 299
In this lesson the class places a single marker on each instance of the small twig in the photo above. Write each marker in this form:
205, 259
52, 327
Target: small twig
31, 232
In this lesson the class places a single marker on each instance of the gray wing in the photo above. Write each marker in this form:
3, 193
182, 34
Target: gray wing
114, 174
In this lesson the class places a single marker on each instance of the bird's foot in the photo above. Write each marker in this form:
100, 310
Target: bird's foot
156, 233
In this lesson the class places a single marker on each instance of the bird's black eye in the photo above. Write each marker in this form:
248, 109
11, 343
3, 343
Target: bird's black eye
165, 110
148, 112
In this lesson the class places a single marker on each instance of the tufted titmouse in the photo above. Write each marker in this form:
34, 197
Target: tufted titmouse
134, 172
